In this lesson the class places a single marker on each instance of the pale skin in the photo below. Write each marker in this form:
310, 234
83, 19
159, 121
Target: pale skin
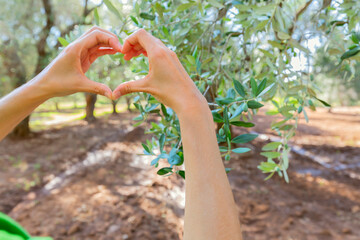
210, 211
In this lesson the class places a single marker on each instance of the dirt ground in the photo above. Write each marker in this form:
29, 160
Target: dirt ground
89, 181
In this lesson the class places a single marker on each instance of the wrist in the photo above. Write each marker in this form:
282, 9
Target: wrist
195, 109
39, 88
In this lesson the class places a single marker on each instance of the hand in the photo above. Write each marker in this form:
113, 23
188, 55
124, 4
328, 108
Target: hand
66, 73
167, 80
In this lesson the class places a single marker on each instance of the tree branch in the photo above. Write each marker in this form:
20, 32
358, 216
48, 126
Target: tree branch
298, 14
45, 32
303, 9
12, 62
81, 21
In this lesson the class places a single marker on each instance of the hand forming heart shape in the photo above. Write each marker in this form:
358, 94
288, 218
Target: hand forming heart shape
66, 73
167, 79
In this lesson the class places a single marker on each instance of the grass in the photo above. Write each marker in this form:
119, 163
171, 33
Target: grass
46, 115
75, 101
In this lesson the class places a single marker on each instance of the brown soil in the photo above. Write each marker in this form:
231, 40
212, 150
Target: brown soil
122, 198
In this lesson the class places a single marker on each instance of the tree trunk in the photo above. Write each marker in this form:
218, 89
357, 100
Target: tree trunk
114, 112
17, 72
75, 104
90, 106
57, 106
22, 130
17, 69
14, 64
128, 102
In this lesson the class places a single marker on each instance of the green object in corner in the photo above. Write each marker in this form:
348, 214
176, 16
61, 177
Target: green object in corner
9, 225
11, 230
4, 235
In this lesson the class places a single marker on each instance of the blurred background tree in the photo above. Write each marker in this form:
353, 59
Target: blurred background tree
29, 38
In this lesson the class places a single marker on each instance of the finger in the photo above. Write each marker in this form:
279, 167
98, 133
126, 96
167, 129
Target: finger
101, 52
129, 55
142, 38
93, 28
137, 53
138, 47
96, 28
130, 87
90, 86
98, 37
132, 54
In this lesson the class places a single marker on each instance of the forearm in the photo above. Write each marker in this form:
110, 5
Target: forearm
20, 103
210, 211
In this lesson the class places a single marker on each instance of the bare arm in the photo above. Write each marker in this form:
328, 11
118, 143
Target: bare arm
20, 103
210, 211
210, 208
64, 76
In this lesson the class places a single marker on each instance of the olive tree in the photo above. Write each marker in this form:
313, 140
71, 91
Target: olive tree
239, 54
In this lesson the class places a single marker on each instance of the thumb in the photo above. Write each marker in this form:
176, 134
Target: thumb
129, 87
90, 86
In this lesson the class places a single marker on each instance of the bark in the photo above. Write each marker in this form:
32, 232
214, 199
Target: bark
22, 130
128, 102
90, 106
114, 112
57, 106
41, 46
17, 72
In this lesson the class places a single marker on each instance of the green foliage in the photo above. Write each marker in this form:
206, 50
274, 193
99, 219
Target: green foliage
63, 41
339, 56
241, 150
164, 171
96, 17
244, 138
112, 8
222, 47
147, 16
351, 52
